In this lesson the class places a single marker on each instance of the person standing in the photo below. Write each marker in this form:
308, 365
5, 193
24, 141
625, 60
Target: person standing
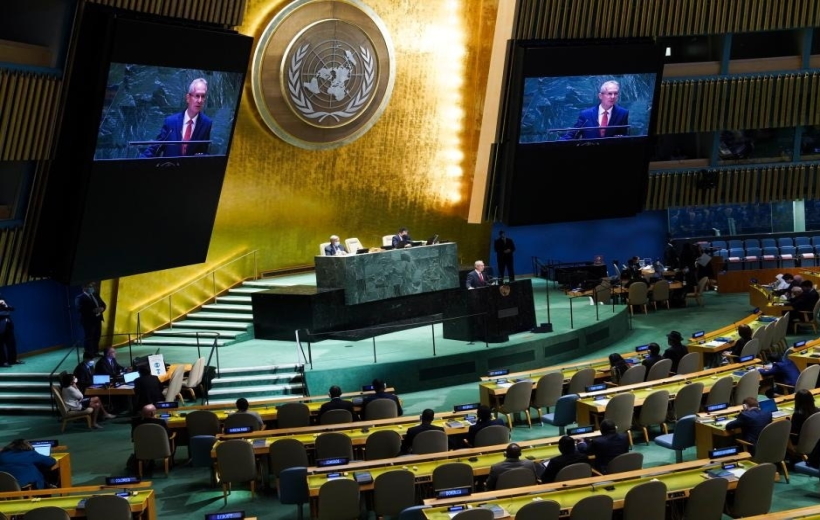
91, 307
8, 343
504, 249
476, 278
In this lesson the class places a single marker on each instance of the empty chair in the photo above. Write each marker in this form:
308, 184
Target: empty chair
193, 382
8, 483
541, 510
681, 438
787, 256
517, 400
574, 472
802, 241
654, 410
592, 507
768, 242
293, 488
292, 415
393, 492
806, 319
339, 500
697, 292
753, 494
807, 380
660, 370
565, 413
779, 330
172, 391
235, 462
619, 410
736, 255
286, 453
631, 461
513, 478
495, 434
67, 415
46, 513
806, 255
242, 419
387, 240
383, 444
151, 443
771, 445
748, 386
752, 258
336, 417
322, 247
707, 500
382, 408
638, 296
202, 422
646, 501
107, 507
199, 451
603, 293
660, 293
352, 245
689, 363
633, 374
430, 441
785, 241
453, 475
333, 444
477, 513
719, 244
549, 388
769, 258
580, 380
688, 400
721, 391
735, 243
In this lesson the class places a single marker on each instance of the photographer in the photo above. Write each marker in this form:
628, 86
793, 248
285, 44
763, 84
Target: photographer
8, 344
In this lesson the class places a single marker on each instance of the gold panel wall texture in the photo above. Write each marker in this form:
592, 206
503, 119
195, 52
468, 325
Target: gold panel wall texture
410, 169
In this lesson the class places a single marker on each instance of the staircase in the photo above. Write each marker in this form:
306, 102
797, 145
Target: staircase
256, 383
25, 392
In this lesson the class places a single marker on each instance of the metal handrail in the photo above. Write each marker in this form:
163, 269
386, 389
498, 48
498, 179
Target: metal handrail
214, 291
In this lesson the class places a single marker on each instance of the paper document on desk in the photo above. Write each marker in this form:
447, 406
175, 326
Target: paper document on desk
714, 343
504, 385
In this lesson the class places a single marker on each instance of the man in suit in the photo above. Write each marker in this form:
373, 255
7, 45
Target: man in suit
606, 447
108, 364
84, 371
504, 249
335, 248
427, 417
676, 349
803, 300
379, 393
189, 125
476, 278
148, 415
569, 455
782, 370
512, 461
751, 421
242, 406
91, 307
403, 236
653, 357
336, 403
484, 418
147, 388
606, 119
8, 343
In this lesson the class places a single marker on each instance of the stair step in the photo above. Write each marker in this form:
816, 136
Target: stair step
246, 290
261, 377
257, 389
17, 385
266, 283
180, 341
226, 307
256, 399
233, 316
29, 408
231, 298
5, 376
206, 335
271, 369
6, 397
209, 324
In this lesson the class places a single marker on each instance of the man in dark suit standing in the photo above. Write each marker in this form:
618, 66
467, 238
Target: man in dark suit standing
606, 119
512, 461
504, 249
334, 248
8, 343
189, 125
91, 307
606, 447
751, 421
427, 417
336, 403
476, 278
569, 455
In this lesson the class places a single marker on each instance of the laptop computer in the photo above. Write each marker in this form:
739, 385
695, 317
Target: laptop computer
362, 250
43, 448
129, 377
770, 405
100, 379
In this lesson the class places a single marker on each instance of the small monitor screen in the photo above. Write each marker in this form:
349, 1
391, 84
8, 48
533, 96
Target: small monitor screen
232, 515
99, 379
723, 452
454, 492
130, 377
717, 407
238, 429
464, 407
498, 372
596, 388
335, 461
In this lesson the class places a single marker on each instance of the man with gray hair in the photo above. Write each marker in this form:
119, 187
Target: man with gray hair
606, 119
334, 248
189, 125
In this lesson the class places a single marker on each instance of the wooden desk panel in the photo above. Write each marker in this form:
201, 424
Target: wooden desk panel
707, 345
143, 503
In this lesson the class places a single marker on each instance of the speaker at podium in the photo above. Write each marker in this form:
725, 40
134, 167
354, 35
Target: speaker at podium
491, 313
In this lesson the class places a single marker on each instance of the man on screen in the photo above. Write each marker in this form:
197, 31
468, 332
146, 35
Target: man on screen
189, 125
606, 119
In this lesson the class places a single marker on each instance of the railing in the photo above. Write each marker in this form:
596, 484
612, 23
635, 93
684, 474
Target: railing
196, 293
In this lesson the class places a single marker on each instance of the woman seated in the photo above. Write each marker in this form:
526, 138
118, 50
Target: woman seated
804, 408
26, 465
617, 367
75, 401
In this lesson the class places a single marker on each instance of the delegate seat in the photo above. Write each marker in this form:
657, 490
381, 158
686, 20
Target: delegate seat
769, 257
752, 258
788, 256
768, 242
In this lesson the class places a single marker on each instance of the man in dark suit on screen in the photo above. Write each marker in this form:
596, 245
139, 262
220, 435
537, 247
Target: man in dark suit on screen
476, 278
189, 125
606, 119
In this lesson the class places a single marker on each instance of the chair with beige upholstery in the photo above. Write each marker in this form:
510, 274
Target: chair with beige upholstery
339, 500
638, 296
322, 247
748, 386
689, 363
193, 382
619, 409
549, 388
45, 513
575, 471
517, 400
292, 415
660, 293
393, 492
383, 444
352, 245
517, 477
107, 507
580, 380
173, 391
633, 374
236, 462
430, 441
492, 435
382, 408
660, 370
697, 293
69, 415
654, 411
336, 417
387, 240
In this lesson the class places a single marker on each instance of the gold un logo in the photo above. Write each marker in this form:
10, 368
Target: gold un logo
323, 72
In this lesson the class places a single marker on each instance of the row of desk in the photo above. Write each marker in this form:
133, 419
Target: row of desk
142, 500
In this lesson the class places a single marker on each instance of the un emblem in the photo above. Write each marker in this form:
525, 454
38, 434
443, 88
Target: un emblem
323, 72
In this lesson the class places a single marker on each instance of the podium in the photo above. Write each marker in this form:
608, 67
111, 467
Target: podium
495, 312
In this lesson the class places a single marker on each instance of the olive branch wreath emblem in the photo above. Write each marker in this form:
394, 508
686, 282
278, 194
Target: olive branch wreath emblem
304, 105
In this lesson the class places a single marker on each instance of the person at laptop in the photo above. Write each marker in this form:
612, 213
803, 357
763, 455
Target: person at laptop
21, 461
147, 388
476, 278
334, 248
569, 455
108, 365
512, 461
379, 393
609, 445
484, 418
751, 421
426, 418
336, 403
653, 357
676, 349
76, 402
402, 238
782, 370
242, 406
84, 372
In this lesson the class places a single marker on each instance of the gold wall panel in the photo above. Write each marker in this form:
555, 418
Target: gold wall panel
408, 170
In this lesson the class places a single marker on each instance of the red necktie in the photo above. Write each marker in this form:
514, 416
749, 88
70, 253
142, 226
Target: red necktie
604, 122
481, 277
187, 137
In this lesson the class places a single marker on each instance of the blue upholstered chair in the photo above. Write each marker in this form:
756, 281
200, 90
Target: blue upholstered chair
564, 414
293, 488
683, 437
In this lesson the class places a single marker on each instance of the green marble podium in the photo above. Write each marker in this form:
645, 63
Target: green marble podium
383, 275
